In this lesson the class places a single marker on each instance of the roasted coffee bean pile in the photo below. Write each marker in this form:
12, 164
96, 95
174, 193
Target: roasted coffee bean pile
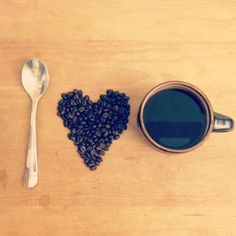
93, 126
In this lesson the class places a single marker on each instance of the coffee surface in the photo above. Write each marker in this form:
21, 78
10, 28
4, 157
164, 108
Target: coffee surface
175, 118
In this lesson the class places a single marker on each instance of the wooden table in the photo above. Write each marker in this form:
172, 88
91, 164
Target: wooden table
127, 45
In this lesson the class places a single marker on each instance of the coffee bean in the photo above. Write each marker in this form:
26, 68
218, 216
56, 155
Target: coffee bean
108, 144
64, 96
81, 109
94, 167
104, 98
119, 131
98, 133
101, 146
106, 148
101, 153
104, 130
83, 149
105, 115
116, 108
109, 92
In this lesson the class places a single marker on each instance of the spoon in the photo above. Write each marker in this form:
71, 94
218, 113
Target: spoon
35, 81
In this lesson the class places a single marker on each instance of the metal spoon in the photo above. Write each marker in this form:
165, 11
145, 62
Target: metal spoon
35, 80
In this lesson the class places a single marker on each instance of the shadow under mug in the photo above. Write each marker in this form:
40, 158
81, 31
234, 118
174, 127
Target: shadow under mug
177, 117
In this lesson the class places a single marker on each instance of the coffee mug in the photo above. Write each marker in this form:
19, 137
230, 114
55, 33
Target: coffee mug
177, 117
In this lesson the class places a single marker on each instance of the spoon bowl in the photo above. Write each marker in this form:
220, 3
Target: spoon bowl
35, 79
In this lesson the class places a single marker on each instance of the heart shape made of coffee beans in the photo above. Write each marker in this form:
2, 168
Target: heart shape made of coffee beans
93, 126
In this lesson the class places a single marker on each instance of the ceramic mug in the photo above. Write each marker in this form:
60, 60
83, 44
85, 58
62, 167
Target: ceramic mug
177, 117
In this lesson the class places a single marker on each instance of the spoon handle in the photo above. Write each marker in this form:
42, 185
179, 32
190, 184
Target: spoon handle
31, 168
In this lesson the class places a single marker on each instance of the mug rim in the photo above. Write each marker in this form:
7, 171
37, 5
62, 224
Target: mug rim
176, 84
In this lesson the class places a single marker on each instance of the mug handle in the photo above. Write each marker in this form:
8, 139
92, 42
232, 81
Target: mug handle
222, 123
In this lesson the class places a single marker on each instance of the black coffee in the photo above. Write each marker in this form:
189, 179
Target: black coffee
175, 118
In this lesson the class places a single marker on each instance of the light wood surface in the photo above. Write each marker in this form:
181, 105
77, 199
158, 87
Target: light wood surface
128, 45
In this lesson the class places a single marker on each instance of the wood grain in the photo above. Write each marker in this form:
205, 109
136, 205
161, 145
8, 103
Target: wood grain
131, 46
